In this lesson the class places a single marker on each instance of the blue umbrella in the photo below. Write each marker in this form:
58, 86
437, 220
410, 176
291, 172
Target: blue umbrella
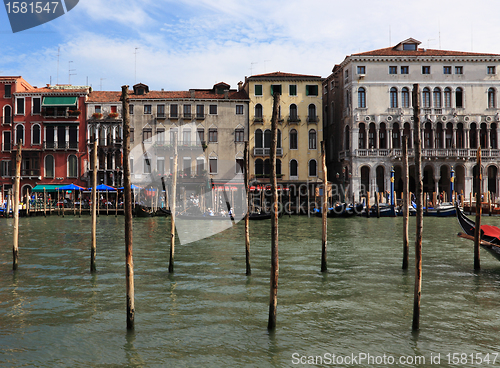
103, 188
131, 187
71, 187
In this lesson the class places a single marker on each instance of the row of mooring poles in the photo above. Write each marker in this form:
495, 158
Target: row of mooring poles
324, 210
477, 229
129, 263
406, 209
15, 210
94, 209
172, 210
247, 215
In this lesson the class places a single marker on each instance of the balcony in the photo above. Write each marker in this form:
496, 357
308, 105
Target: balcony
60, 113
427, 153
293, 119
200, 116
30, 172
258, 120
266, 152
161, 115
187, 115
312, 119
60, 145
174, 116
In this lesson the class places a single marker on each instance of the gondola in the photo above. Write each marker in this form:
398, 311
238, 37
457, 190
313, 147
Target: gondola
162, 212
259, 216
445, 209
490, 235
142, 211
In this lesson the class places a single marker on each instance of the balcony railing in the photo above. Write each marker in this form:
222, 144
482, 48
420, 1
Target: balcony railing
312, 119
30, 172
200, 115
427, 153
293, 119
60, 145
266, 151
187, 115
258, 120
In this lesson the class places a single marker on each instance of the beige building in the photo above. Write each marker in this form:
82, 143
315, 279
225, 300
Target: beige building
300, 129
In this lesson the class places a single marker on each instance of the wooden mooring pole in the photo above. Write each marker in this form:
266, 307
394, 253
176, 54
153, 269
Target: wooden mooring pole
324, 210
172, 216
273, 298
129, 263
406, 209
15, 209
94, 209
420, 213
477, 230
247, 215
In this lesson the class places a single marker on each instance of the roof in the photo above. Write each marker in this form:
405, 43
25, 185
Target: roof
282, 75
199, 94
57, 90
105, 97
392, 51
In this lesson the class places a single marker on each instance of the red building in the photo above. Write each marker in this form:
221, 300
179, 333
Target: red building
50, 122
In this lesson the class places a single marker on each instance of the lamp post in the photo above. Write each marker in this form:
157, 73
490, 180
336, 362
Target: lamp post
452, 184
392, 186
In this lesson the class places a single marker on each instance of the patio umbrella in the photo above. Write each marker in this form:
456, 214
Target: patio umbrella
103, 188
131, 187
71, 187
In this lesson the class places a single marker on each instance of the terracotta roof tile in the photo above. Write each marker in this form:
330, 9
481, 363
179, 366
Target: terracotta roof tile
392, 51
112, 96
282, 75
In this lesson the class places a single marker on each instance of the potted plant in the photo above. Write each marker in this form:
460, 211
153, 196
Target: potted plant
97, 115
74, 112
113, 115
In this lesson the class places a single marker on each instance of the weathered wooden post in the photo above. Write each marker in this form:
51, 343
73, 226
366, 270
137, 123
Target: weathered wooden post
406, 209
377, 203
273, 299
94, 209
420, 213
172, 216
324, 209
44, 202
489, 203
477, 230
247, 215
129, 276
15, 210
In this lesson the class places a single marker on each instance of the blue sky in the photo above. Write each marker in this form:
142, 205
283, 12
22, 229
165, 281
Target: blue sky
185, 44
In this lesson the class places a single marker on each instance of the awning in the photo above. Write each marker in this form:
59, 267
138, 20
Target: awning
59, 101
48, 188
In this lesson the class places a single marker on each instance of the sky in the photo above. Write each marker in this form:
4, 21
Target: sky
182, 44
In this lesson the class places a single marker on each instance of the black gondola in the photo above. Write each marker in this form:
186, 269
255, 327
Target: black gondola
259, 216
162, 212
142, 211
490, 235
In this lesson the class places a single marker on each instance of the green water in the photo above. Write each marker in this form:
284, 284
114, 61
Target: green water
54, 313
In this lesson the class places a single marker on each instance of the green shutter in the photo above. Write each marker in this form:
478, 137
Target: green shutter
293, 90
258, 90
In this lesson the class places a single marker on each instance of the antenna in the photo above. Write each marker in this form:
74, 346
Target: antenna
69, 72
251, 66
135, 71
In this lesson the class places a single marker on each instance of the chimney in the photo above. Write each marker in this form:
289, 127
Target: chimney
192, 93
240, 85
226, 94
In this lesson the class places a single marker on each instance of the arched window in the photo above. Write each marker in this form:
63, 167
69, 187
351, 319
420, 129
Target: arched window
491, 98
459, 98
437, 98
346, 138
293, 112
267, 167
426, 97
405, 97
35, 139
293, 139
258, 111
72, 166
267, 138
394, 97
312, 139
278, 166
7, 119
259, 167
447, 97
258, 138
19, 134
278, 139
361, 97
49, 166
294, 170
312, 113
313, 168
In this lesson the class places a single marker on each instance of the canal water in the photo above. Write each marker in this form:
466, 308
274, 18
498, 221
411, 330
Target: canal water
53, 312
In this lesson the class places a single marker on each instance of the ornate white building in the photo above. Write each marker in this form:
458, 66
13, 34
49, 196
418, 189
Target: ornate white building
368, 109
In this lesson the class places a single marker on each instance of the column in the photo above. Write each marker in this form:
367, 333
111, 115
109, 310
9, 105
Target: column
66, 134
389, 138
355, 139
488, 138
454, 138
466, 138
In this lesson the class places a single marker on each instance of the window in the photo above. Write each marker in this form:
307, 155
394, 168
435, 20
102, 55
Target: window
239, 135
147, 164
312, 168
258, 111
239, 109
97, 109
312, 139
405, 97
278, 166
20, 106
35, 135
394, 97
186, 137
8, 91
131, 135
160, 111
275, 88
147, 134
447, 97
410, 46
292, 90
160, 135
294, 172
258, 138
293, 112
294, 144
174, 113
258, 90
186, 166
267, 138
393, 70
7, 115
173, 135
147, 109
131, 109
19, 134
405, 69
212, 135
187, 111
6, 143
259, 167
212, 165
49, 166
114, 109
312, 113
200, 165
311, 90
361, 69
37, 105
446, 69
72, 166
491, 98
212, 109
426, 97
437, 97
160, 165
459, 70
491, 70
200, 136
240, 166
459, 98
131, 165
426, 69
361, 98
200, 111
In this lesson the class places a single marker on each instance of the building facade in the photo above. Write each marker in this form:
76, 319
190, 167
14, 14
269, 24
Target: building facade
368, 109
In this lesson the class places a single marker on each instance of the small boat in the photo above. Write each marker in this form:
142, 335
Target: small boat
386, 210
142, 211
186, 216
445, 209
342, 210
162, 212
259, 215
490, 235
